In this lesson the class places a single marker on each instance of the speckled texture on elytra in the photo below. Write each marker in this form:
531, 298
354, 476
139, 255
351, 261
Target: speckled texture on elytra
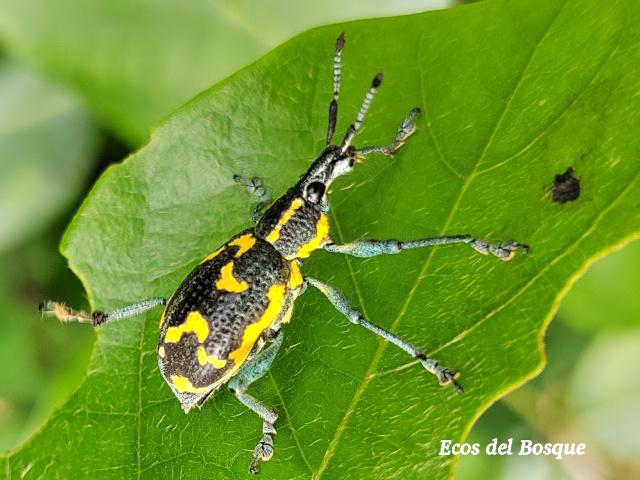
300, 228
227, 313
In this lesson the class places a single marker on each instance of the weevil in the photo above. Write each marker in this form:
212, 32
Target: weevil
223, 323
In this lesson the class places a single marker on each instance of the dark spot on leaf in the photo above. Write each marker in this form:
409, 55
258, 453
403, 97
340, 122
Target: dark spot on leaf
566, 187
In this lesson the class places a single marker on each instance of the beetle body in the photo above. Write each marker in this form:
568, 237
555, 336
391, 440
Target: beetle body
222, 324
222, 312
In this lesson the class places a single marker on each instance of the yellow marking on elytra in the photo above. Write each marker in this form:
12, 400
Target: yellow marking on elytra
184, 385
253, 331
295, 279
228, 282
274, 234
322, 231
162, 317
195, 323
251, 334
161, 351
244, 243
203, 359
213, 255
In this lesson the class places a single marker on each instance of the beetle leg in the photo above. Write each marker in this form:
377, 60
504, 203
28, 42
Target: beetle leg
255, 186
405, 130
66, 314
370, 248
444, 375
254, 369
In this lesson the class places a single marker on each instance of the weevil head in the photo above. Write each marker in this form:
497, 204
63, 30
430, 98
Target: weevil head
296, 223
330, 164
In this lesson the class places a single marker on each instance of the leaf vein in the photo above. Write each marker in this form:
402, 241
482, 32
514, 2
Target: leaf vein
382, 344
294, 431
139, 410
436, 144
559, 116
541, 272
363, 385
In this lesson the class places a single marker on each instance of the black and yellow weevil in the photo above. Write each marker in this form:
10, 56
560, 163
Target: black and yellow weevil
215, 326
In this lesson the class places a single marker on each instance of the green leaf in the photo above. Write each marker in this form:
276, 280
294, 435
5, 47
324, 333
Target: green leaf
513, 93
47, 144
135, 61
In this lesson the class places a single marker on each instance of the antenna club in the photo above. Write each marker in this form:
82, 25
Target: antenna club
340, 42
377, 80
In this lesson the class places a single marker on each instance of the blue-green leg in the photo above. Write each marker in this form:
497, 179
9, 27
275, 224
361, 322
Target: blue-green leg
254, 369
407, 127
444, 375
66, 314
255, 186
370, 248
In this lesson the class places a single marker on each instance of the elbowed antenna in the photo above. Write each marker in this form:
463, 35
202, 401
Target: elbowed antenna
333, 106
366, 103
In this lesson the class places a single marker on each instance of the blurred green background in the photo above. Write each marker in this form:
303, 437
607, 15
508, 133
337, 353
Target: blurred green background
75, 96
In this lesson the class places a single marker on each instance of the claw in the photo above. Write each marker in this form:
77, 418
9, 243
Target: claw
263, 452
448, 376
63, 313
253, 185
445, 376
408, 127
505, 251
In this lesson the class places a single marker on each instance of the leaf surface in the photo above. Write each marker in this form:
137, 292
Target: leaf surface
514, 93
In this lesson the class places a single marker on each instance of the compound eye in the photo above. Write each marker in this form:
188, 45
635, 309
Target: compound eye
315, 192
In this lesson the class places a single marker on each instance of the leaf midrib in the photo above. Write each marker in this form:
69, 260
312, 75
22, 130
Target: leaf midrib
382, 344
